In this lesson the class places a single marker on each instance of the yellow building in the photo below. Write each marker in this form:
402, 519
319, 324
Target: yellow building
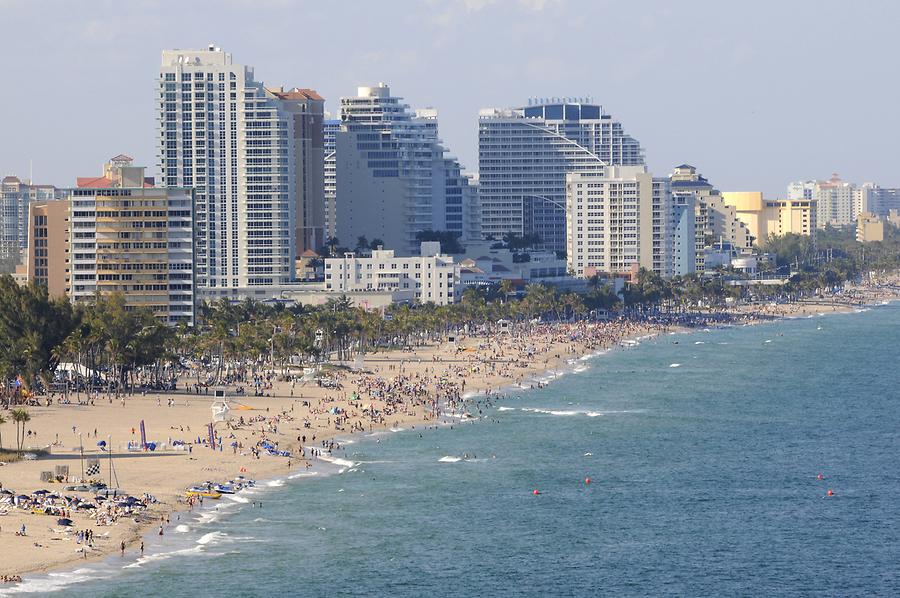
765, 218
869, 227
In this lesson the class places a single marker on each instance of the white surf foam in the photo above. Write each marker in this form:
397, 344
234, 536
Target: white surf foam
506, 408
337, 461
449, 459
550, 411
162, 556
182, 529
52, 582
236, 498
212, 538
674, 365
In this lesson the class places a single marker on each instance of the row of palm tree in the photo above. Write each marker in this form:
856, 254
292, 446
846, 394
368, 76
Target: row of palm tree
38, 333
120, 347
20, 417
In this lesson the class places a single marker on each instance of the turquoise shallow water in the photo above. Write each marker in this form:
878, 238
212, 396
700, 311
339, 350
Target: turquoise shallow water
703, 483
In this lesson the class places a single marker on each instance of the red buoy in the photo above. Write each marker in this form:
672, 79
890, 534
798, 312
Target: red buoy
831, 493
820, 477
587, 480
536, 492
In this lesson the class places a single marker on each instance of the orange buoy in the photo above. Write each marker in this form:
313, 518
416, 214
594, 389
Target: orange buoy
587, 480
536, 492
831, 493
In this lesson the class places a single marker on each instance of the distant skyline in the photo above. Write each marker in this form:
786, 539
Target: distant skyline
755, 95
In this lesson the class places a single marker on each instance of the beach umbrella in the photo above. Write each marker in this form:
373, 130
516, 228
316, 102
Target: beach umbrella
22, 497
64, 521
5, 491
53, 496
41, 492
85, 505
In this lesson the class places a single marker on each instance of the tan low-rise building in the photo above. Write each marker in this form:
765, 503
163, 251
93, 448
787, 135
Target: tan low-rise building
869, 228
766, 218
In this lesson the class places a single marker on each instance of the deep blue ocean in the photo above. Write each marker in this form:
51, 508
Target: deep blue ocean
703, 483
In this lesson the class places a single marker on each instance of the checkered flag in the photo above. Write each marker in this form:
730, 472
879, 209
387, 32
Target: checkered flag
92, 469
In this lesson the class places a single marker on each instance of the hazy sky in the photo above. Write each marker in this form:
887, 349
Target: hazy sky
754, 93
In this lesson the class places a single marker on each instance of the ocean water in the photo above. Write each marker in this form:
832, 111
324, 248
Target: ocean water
703, 483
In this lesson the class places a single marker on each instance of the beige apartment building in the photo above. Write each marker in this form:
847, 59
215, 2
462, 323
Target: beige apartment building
765, 218
47, 252
117, 233
869, 228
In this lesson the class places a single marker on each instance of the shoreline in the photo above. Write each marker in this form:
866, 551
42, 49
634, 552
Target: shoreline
534, 372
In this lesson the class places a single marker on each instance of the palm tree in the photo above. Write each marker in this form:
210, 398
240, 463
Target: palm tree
20, 417
2, 421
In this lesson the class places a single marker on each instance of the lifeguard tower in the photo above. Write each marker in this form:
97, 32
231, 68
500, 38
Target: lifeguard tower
220, 410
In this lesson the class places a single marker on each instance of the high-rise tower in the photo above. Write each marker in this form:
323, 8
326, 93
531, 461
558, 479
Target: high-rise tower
393, 177
255, 157
525, 154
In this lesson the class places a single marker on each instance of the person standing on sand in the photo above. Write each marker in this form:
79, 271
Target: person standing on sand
123, 547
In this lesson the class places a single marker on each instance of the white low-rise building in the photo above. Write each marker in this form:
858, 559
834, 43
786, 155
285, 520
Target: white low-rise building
434, 278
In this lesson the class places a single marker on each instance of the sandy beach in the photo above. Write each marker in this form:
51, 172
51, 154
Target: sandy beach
393, 389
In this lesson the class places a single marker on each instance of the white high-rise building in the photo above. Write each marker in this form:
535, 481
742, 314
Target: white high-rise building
393, 179
331, 127
618, 219
525, 154
716, 223
684, 232
840, 203
15, 198
837, 203
255, 157
877, 200
801, 190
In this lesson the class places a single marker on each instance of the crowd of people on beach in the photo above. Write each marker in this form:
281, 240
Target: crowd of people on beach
440, 383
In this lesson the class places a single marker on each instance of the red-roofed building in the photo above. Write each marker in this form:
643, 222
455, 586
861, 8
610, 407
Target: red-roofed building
127, 236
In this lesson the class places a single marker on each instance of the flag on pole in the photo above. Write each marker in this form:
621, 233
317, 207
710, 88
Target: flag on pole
93, 467
143, 436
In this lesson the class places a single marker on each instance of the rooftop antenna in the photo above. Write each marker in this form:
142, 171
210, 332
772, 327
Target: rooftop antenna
30, 171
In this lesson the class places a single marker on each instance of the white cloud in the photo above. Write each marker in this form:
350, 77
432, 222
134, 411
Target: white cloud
538, 5
478, 5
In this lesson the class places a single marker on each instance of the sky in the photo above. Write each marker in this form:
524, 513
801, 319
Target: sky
754, 94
